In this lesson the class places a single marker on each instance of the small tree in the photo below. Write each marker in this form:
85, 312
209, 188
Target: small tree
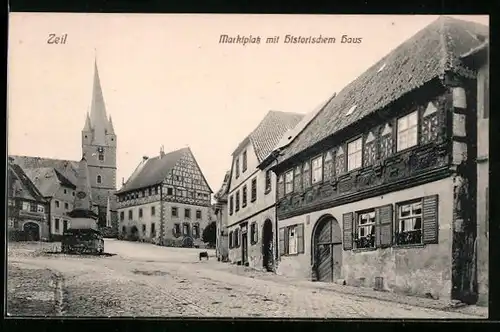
209, 234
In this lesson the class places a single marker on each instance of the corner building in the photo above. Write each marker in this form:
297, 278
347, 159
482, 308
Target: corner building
382, 182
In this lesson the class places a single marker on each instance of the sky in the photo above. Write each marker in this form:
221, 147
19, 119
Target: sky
168, 81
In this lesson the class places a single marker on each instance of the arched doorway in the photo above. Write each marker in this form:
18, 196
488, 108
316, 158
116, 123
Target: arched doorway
267, 245
134, 233
188, 242
327, 249
31, 231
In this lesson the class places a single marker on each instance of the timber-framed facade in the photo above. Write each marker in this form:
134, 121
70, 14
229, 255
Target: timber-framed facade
379, 189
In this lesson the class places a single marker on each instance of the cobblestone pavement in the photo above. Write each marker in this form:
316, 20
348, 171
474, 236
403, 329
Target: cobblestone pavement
146, 280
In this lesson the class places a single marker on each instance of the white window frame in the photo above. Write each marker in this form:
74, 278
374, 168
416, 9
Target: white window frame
317, 169
289, 182
407, 131
26, 206
367, 227
293, 241
355, 154
408, 222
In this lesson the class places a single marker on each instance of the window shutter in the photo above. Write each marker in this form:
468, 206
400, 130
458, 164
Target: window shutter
282, 241
300, 238
383, 226
430, 219
347, 221
256, 232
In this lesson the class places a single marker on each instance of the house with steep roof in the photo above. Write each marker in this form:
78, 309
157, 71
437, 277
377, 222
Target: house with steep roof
98, 145
28, 210
478, 59
60, 192
221, 213
251, 208
166, 201
379, 188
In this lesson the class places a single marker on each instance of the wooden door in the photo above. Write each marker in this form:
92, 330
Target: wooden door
244, 248
324, 255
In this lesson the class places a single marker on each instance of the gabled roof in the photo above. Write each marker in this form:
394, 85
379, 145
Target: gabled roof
222, 192
153, 171
269, 131
18, 172
427, 55
68, 168
48, 180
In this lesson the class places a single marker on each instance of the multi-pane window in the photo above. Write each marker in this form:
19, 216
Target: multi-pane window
198, 214
317, 169
187, 213
185, 229
101, 157
237, 167
65, 225
196, 231
56, 224
407, 131
244, 162
339, 161
153, 211
254, 190
57, 204
253, 233
99, 179
177, 230
289, 182
140, 213
244, 196
153, 229
409, 223
365, 234
143, 229
66, 206
122, 216
130, 214
268, 181
354, 154
174, 211
237, 207
236, 238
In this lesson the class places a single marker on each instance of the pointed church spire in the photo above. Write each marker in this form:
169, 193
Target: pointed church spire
98, 117
87, 126
110, 128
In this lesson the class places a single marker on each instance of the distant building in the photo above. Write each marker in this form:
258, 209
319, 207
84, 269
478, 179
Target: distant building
60, 192
379, 189
221, 213
166, 200
478, 58
251, 220
99, 143
28, 210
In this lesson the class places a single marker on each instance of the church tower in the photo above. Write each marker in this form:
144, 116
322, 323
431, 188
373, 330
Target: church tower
99, 148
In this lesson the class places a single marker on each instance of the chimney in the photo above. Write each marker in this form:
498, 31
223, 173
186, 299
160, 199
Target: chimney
123, 181
162, 151
144, 158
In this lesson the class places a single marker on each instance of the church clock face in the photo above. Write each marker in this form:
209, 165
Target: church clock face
81, 195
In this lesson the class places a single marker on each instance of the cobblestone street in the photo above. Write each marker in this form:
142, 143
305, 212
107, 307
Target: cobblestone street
147, 280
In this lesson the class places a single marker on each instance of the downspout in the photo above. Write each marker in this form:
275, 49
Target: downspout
162, 225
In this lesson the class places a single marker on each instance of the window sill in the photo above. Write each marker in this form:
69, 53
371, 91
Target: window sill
356, 250
408, 246
253, 200
291, 255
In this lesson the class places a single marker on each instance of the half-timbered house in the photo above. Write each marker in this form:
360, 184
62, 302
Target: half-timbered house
383, 180
166, 200
60, 192
478, 59
28, 211
251, 193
